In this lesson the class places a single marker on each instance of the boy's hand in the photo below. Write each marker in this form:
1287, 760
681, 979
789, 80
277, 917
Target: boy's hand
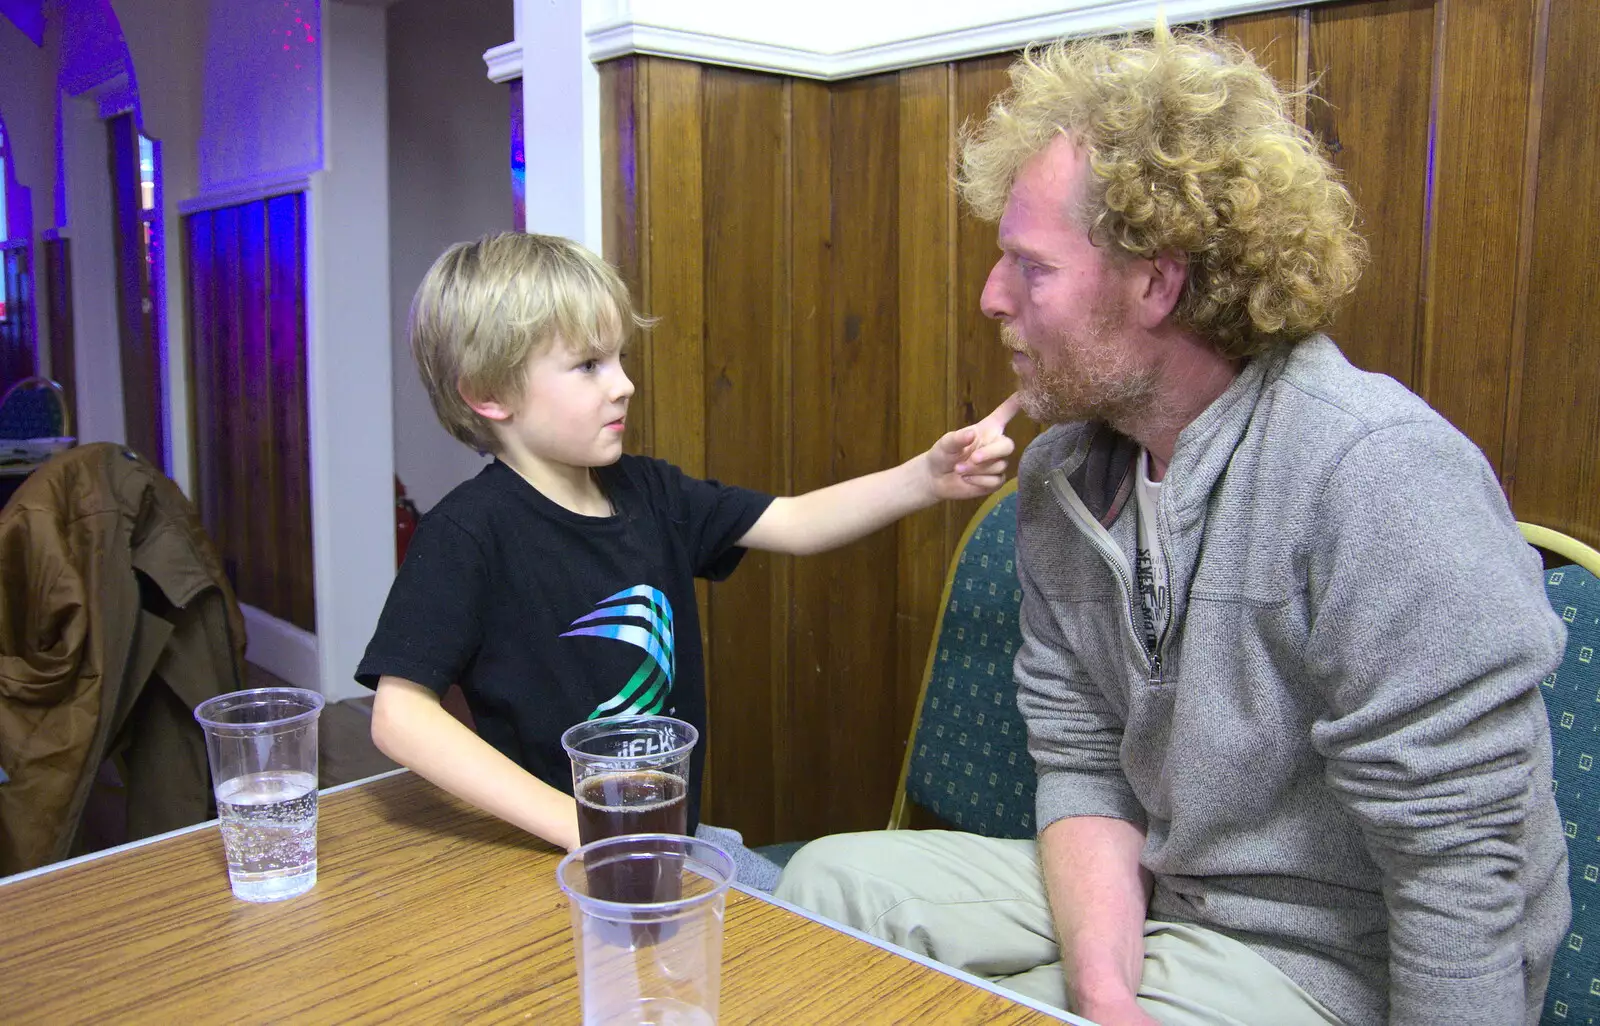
970, 463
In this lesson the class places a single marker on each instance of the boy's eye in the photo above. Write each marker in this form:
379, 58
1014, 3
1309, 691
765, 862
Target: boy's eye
589, 366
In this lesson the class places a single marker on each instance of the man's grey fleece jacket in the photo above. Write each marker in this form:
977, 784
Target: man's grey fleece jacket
1338, 750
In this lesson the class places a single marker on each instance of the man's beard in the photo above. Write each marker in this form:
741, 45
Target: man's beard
1088, 376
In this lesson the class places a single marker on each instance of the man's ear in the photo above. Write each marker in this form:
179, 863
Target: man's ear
488, 408
1160, 285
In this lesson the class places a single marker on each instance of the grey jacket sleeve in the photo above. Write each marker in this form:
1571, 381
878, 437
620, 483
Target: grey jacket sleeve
1074, 734
1429, 635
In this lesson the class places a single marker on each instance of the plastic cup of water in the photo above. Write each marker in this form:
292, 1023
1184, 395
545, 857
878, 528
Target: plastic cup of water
263, 750
643, 957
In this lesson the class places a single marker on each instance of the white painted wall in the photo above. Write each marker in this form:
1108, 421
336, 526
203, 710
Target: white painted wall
87, 219
27, 85
561, 121
449, 180
351, 348
262, 105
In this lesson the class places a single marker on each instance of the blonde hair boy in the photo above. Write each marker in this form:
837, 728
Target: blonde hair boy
558, 584
485, 307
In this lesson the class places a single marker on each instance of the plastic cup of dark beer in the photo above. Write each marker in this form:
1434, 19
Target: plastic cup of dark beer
630, 775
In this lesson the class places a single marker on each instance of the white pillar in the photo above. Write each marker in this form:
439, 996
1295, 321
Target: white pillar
348, 358
561, 121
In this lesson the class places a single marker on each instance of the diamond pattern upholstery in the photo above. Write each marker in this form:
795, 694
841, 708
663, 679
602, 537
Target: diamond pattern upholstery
969, 760
1572, 699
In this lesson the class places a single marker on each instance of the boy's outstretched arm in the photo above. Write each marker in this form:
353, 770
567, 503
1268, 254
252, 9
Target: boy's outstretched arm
412, 728
964, 464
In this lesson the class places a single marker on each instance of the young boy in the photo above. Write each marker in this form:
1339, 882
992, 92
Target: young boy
558, 584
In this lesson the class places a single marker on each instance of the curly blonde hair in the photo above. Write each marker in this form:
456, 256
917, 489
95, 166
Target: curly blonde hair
1191, 149
486, 307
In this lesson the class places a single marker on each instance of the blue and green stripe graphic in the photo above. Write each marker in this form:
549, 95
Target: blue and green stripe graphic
645, 618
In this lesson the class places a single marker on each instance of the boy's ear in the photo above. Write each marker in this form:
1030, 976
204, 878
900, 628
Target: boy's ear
483, 407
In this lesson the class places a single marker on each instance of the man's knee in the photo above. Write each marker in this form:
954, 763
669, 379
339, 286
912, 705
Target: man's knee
826, 876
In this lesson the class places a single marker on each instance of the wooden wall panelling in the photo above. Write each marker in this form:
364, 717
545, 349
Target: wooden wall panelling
1275, 39
1556, 480
247, 342
1483, 71
57, 279
980, 367
289, 396
927, 247
143, 406
258, 574
812, 684
746, 355
231, 530
673, 247
1371, 110
624, 163
200, 254
861, 767
672, 251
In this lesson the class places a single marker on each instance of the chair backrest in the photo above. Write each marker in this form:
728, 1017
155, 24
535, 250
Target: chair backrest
34, 408
967, 761
1572, 701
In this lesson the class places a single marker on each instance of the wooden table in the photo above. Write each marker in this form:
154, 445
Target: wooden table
425, 910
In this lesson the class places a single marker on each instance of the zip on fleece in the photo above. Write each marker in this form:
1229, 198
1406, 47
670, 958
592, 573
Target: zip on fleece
1111, 552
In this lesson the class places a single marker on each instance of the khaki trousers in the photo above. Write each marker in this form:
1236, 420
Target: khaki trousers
978, 904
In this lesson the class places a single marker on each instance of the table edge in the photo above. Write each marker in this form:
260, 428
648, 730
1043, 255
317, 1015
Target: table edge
29, 874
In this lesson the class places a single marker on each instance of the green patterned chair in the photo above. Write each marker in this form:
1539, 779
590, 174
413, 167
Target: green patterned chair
1572, 700
968, 761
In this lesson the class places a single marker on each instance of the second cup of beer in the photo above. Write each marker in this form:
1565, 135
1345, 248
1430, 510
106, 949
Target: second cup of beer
630, 775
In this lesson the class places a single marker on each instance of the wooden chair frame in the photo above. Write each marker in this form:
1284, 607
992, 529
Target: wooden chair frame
1563, 545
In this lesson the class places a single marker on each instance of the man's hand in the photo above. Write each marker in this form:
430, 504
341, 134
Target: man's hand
971, 462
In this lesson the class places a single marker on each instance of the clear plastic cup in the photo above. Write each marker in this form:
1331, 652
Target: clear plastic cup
647, 915
630, 775
263, 750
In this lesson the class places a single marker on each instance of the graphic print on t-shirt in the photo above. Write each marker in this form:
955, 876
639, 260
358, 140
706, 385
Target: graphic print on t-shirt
646, 691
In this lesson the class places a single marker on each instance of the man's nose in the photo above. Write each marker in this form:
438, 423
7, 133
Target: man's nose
995, 301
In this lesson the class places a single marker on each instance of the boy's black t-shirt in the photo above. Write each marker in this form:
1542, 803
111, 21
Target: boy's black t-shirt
546, 617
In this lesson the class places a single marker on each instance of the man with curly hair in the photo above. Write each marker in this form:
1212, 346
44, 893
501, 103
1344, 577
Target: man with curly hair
1281, 639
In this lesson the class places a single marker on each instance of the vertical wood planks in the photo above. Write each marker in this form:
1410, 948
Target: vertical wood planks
927, 242
1273, 37
1371, 111
290, 393
625, 185
1557, 471
811, 670
980, 367
746, 353
673, 248
1479, 132
57, 279
247, 342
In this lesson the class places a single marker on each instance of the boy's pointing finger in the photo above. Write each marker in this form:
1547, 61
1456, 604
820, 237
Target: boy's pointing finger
996, 422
